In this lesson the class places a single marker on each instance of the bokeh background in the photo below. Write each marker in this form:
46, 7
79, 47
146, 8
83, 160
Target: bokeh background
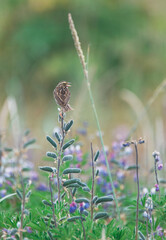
127, 59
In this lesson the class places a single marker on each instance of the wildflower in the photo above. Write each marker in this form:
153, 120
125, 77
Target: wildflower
116, 184
153, 191
42, 187
159, 231
156, 156
29, 229
81, 207
144, 191
160, 166
86, 205
145, 214
157, 187
149, 204
127, 144
73, 207
3, 193
120, 176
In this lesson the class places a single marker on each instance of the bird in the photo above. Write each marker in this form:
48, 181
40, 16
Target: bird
62, 96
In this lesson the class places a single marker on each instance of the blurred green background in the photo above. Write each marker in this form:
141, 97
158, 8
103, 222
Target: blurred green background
127, 50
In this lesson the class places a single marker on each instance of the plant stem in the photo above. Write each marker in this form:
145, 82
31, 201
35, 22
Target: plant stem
147, 226
52, 202
156, 93
85, 71
157, 181
59, 156
22, 206
83, 228
136, 151
93, 181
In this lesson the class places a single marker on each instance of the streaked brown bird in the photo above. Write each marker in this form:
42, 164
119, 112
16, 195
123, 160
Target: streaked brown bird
62, 96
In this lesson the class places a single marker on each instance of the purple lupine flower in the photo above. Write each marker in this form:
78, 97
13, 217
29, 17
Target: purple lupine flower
73, 207
122, 162
156, 156
160, 166
157, 187
81, 207
3, 193
153, 190
159, 231
9, 183
116, 184
34, 176
42, 187
79, 153
115, 146
99, 180
29, 229
112, 155
144, 191
120, 176
145, 214
103, 189
86, 205
103, 172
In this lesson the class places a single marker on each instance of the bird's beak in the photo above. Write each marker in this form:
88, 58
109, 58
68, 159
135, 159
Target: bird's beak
68, 84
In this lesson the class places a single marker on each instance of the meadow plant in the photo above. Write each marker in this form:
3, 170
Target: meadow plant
71, 205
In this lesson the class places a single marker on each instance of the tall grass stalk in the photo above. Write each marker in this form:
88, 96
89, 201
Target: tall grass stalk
52, 202
93, 181
156, 93
22, 206
136, 152
85, 71
59, 155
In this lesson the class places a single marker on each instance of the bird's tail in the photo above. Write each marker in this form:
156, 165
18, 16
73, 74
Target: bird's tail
68, 108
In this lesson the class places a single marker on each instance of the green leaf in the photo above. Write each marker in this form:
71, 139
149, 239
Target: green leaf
72, 219
71, 170
133, 167
96, 156
71, 181
68, 125
51, 154
19, 194
53, 143
32, 141
100, 215
57, 137
68, 144
104, 199
80, 200
48, 169
67, 158
7, 196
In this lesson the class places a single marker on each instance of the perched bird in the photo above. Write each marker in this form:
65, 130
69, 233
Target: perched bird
62, 95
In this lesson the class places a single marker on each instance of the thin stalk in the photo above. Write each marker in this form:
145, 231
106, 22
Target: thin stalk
156, 93
93, 181
147, 226
136, 151
59, 157
85, 71
52, 202
83, 228
22, 207
151, 225
157, 181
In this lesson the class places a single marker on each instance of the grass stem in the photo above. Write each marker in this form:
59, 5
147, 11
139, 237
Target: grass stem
59, 155
93, 181
22, 207
137, 175
85, 71
52, 202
